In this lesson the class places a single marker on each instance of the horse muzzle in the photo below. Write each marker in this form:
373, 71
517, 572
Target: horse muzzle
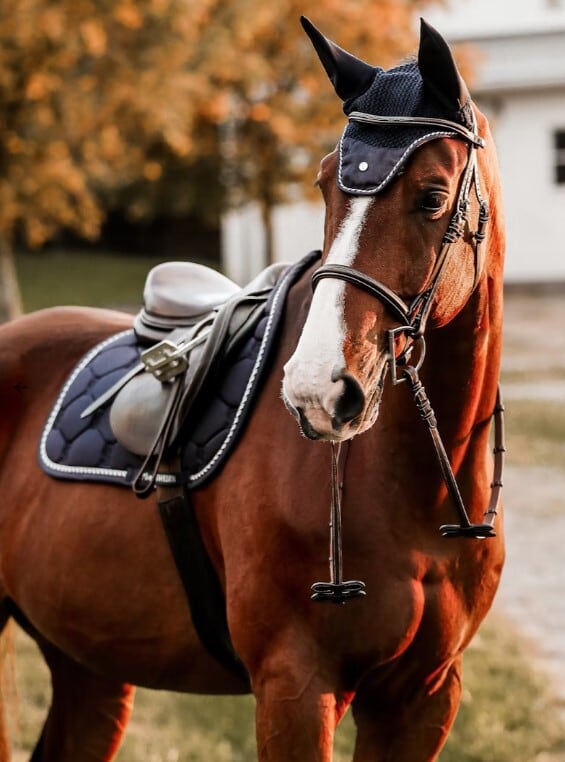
331, 413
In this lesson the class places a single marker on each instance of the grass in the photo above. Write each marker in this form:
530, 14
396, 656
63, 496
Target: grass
82, 278
507, 713
551, 373
535, 433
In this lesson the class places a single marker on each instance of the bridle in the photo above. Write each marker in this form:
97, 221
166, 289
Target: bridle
412, 319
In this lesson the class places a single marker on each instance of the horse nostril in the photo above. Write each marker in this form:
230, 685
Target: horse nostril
351, 401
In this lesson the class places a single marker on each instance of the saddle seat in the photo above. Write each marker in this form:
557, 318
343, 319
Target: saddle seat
179, 295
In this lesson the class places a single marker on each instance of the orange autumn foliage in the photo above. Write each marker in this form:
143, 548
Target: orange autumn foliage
101, 96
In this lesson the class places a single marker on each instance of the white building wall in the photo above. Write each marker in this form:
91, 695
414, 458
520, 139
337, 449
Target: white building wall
463, 18
297, 229
243, 243
534, 203
520, 83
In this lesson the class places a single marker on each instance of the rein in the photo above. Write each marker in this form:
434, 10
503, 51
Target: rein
412, 319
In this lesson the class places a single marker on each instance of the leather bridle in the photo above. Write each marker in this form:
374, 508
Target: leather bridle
412, 319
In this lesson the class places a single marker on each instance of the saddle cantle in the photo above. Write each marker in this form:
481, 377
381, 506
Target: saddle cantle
114, 419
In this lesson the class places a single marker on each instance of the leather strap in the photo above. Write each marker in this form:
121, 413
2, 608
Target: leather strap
466, 528
395, 304
203, 590
420, 121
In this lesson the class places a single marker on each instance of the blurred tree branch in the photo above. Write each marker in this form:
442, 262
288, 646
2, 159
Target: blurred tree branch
190, 105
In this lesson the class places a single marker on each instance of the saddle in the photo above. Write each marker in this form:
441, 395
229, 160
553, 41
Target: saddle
193, 319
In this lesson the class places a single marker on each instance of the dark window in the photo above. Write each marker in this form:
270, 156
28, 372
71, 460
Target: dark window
559, 145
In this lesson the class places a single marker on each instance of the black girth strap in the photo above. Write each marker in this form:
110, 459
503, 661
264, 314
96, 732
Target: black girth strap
205, 595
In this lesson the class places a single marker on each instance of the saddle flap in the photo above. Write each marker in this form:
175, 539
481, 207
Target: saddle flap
141, 408
138, 411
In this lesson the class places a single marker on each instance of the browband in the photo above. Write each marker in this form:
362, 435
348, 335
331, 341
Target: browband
424, 121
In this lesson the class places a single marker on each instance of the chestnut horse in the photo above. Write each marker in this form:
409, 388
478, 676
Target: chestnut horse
87, 570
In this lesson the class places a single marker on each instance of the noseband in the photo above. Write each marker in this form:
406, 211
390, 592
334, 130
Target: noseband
412, 320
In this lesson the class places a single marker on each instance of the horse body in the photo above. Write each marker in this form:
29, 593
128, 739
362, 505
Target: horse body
127, 607
87, 569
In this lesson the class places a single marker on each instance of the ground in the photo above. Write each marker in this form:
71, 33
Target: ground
533, 385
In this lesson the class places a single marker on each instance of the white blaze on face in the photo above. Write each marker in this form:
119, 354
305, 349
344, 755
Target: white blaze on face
319, 355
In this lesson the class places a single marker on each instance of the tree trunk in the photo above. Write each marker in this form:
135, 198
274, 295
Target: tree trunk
10, 297
267, 220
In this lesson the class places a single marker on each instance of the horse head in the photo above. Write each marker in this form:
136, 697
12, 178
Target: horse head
408, 193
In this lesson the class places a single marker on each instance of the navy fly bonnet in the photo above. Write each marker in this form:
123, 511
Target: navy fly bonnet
371, 154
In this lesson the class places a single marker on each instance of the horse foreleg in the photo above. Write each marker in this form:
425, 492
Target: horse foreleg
296, 716
410, 729
88, 714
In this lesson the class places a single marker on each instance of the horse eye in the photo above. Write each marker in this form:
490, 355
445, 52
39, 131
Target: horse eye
433, 201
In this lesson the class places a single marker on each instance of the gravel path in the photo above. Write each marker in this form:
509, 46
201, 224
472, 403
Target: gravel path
531, 592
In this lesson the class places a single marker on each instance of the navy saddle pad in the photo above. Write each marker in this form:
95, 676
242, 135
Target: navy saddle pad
86, 449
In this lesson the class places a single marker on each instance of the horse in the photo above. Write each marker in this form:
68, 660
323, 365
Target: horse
406, 306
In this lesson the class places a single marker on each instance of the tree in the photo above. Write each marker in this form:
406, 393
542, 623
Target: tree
88, 88
271, 98
200, 103
265, 110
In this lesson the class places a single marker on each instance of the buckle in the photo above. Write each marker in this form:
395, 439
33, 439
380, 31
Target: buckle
166, 360
402, 360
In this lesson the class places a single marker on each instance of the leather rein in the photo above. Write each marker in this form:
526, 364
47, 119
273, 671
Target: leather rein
412, 320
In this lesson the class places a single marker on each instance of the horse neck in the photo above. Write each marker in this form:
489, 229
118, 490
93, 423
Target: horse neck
460, 376
463, 360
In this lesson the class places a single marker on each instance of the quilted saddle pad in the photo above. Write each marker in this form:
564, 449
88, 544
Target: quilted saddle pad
85, 449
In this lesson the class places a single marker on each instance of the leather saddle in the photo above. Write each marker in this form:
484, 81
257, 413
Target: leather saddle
192, 319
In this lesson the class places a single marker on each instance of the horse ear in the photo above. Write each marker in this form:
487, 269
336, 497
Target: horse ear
349, 75
438, 69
